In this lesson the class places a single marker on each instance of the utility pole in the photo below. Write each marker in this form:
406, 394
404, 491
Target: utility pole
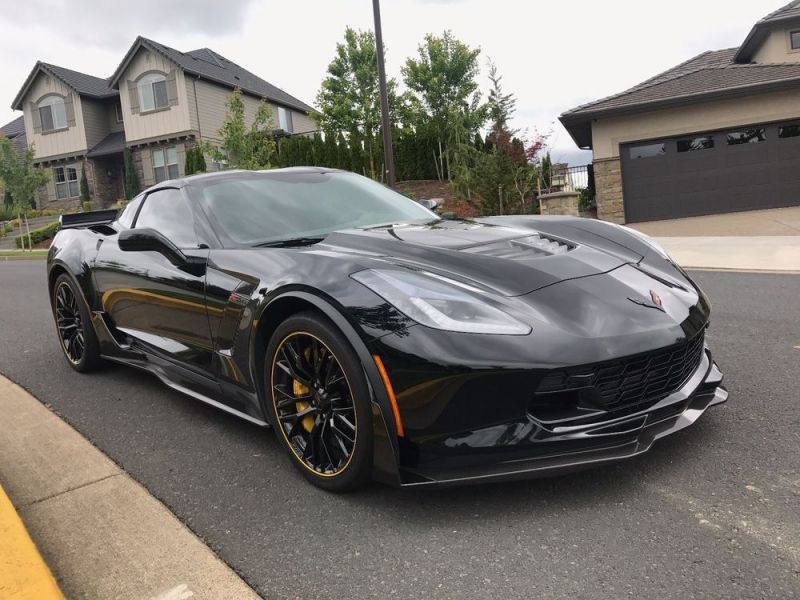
388, 154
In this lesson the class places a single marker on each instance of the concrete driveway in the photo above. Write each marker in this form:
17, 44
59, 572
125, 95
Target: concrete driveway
759, 240
773, 222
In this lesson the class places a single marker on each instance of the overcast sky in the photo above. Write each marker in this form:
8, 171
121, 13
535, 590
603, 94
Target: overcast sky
552, 55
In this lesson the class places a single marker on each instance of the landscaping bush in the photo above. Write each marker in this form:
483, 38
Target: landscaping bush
38, 235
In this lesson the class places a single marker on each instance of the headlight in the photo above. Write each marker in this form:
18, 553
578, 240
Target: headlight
439, 302
647, 240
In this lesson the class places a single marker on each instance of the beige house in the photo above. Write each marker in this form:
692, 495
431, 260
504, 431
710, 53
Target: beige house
158, 103
718, 133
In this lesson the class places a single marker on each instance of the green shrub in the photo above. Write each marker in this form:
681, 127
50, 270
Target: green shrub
38, 235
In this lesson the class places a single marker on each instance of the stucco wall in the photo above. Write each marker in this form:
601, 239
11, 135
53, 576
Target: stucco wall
159, 123
777, 48
608, 134
69, 141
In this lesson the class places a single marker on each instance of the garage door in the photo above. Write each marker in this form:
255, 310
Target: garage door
744, 168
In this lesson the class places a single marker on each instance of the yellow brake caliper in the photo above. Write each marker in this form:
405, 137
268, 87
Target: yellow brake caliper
298, 389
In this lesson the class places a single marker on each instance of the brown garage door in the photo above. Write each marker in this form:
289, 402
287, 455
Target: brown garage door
743, 168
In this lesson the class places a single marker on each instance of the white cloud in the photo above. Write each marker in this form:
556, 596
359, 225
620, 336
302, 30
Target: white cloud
553, 55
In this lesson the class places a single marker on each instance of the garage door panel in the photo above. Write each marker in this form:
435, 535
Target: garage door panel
744, 176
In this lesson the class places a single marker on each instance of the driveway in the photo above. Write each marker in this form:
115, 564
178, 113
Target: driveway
758, 240
773, 222
711, 512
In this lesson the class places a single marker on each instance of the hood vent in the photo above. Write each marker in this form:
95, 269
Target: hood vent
531, 246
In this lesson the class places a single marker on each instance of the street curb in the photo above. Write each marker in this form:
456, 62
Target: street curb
23, 573
102, 533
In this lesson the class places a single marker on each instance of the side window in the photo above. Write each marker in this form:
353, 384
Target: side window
169, 213
129, 212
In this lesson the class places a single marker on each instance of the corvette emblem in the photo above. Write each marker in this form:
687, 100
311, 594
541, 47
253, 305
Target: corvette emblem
655, 298
653, 302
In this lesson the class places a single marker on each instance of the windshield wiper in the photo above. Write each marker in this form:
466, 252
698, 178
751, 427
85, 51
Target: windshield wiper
287, 243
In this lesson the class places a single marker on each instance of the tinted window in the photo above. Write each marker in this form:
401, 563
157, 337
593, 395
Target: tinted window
168, 212
647, 150
255, 208
746, 136
796, 40
129, 212
695, 143
789, 131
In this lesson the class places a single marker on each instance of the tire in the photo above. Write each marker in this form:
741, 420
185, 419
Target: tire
312, 404
74, 327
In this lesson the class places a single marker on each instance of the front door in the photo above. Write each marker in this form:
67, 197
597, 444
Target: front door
160, 306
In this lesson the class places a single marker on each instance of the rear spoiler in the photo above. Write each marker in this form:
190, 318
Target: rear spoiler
87, 219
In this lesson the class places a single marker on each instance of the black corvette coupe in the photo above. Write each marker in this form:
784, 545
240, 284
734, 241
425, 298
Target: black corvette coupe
381, 341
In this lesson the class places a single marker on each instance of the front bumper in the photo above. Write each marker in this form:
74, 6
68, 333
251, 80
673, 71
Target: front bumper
584, 446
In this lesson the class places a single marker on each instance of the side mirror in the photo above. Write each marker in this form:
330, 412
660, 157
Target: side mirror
150, 240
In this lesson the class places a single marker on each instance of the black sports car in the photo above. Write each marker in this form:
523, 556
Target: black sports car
381, 341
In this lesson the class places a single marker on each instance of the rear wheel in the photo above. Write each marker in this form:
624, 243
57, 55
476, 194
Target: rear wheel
74, 326
320, 402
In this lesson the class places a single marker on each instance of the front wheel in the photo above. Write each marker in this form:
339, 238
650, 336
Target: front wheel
319, 402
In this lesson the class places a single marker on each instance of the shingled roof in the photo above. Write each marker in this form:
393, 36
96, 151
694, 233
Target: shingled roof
207, 64
15, 131
706, 76
83, 84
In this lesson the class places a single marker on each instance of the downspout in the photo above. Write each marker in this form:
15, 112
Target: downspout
197, 108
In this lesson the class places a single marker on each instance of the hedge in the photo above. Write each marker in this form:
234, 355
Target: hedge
38, 235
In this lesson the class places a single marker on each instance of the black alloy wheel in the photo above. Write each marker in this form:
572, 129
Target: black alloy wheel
74, 327
319, 403
69, 324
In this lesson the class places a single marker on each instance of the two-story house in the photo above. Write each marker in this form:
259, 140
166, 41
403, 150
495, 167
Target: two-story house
158, 102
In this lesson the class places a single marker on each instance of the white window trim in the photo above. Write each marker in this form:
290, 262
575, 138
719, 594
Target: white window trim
285, 119
51, 100
118, 112
66, 183
150, 79
164, 152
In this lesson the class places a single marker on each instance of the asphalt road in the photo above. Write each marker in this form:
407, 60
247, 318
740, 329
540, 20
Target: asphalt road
712, 512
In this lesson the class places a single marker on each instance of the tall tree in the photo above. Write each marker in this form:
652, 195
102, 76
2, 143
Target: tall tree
501, 106
131, 180
443, 80
349, 97
21, 179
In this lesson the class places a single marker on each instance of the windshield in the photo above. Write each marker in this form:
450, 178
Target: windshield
258, 208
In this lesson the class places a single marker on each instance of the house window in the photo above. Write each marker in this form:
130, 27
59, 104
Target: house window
795, 40
165, 164
66, 179
647, 150
152, 92
52, 113
746, 136
118, 111
285, 119
789, 131
694, 144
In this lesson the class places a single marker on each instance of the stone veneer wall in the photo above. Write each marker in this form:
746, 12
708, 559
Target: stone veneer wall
559, 203
608, 187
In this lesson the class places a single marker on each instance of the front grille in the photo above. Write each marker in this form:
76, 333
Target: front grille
631, 381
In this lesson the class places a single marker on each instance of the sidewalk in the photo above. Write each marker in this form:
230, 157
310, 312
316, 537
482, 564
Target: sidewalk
763, 253
102, 534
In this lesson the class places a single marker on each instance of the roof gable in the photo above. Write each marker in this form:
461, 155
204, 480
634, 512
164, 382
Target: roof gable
761, 29
207, 64
82, 83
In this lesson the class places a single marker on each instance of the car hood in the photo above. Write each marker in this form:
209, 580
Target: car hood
511, 256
